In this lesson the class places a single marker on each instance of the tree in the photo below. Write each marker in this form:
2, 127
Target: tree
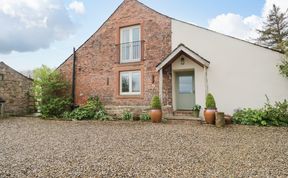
283, 67
49, 89
275, 30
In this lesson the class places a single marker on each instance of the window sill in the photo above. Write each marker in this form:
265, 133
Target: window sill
131, 63
130, 94
129, 97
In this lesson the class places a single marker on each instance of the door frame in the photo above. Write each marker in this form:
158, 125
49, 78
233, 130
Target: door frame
174, 85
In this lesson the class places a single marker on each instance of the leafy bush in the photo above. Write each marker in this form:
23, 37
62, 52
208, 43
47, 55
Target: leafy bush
277, 114
126, 115
66, 116
82, 113
210, 102
145, 117
156, 103
55, 107
93, 109
274, 115
283, 67
196, 108
102, 115
249, 117
50, 92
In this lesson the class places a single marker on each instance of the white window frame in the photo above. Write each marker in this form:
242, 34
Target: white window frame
130, 74
131, 41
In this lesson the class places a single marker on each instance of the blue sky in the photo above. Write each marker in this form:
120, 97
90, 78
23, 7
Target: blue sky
80, 24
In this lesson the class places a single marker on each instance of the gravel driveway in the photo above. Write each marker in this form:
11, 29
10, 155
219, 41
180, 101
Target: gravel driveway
31, 147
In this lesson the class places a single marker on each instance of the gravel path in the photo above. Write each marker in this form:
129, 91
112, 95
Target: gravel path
32, 147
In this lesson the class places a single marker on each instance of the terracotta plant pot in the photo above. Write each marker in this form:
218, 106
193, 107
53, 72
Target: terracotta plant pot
209, 115
195, 114
156, 115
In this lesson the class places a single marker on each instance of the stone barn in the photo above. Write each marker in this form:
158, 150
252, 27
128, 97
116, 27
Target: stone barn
15, 92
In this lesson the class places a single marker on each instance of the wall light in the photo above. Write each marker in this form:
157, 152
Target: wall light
182, 61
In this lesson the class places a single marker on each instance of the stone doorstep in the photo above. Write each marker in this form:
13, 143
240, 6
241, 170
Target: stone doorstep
184, 118
182, 113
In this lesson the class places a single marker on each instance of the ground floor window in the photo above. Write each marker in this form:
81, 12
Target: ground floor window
130, 83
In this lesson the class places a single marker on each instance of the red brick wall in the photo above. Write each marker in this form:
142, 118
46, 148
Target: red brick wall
98, 60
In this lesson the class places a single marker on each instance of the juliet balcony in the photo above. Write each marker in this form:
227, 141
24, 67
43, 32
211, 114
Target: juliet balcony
130, 51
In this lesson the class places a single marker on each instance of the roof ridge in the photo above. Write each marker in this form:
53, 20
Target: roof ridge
125, 1
1, 62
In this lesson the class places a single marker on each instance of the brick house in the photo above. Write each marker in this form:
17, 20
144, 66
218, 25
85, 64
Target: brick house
15, 92
139, 52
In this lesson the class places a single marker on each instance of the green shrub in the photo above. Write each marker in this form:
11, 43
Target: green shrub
102, 115
93, 109
126, 115
283, 67
277, 114
155, 103
269, 115
210, 102
50, 92
145, 117
66, 116
54, 107
249, 117
82, 113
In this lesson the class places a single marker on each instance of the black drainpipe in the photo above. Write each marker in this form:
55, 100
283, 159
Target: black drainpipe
74, 78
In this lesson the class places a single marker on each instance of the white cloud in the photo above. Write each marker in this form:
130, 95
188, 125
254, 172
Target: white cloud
235, 25
29, 25
244, 27
77, 6
283, 4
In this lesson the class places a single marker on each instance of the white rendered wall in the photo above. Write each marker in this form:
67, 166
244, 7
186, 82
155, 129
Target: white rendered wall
240, 74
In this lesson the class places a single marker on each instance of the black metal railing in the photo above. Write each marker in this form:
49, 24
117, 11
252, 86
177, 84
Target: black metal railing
130, 52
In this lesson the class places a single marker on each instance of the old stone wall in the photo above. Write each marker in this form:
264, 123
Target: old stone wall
16, 90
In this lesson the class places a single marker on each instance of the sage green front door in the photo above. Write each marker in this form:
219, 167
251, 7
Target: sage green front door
185, 90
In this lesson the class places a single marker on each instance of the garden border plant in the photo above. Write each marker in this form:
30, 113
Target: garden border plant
145, 117
127, 115
92, 110
269, 115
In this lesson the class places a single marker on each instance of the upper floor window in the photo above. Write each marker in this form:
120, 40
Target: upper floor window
1, 77
130, 47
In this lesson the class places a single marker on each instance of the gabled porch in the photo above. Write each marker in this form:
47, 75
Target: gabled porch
187, 80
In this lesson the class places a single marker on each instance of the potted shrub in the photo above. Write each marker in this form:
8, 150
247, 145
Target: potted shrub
210, 110
196, 110
156, 112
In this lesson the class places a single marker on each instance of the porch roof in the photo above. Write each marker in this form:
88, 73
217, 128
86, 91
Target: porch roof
183, 50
